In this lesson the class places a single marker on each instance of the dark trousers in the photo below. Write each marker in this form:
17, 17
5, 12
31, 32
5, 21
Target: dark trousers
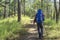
40, 29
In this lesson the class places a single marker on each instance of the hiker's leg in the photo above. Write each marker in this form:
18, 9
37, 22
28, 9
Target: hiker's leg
41, 26
39, 30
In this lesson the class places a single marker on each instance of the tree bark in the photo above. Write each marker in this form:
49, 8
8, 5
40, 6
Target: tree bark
24, 7
4, 12
19, 13
4, 16
42, 4
14, 7
47, 8
57, 11
9, 9
59, 7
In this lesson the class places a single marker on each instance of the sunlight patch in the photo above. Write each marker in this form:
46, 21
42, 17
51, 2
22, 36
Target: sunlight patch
32, 30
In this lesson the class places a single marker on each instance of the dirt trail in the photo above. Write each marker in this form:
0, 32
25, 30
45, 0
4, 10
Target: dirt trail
33, 34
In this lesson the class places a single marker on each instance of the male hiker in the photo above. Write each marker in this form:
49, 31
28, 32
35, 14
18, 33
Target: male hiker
39, 18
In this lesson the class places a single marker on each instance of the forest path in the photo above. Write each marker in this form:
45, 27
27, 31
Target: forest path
33, 33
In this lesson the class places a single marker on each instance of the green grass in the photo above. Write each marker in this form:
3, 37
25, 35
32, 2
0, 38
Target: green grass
52, 29
10, 26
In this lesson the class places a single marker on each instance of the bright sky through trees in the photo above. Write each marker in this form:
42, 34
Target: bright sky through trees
56, 0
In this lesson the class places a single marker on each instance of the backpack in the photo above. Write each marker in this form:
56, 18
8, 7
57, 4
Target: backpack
39, 16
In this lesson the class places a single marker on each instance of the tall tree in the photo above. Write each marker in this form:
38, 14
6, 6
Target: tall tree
57, 11
59, 7
47, 8
4, 15
14, 7
9, 8
19, 13
24, 7
4, 12
42, 4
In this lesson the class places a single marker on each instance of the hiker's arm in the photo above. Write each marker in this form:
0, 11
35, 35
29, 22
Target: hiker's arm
43, 17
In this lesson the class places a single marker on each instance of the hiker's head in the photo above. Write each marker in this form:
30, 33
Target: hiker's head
39, 11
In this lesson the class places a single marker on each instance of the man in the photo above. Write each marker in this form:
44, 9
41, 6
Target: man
39, 18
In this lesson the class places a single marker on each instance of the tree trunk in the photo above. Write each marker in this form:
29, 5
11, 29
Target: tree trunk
47, 8
4, 12
19, 13
42, 4
24, 7
4, 15
54, 14
9, 8
59, 8
14, 7
57, 11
